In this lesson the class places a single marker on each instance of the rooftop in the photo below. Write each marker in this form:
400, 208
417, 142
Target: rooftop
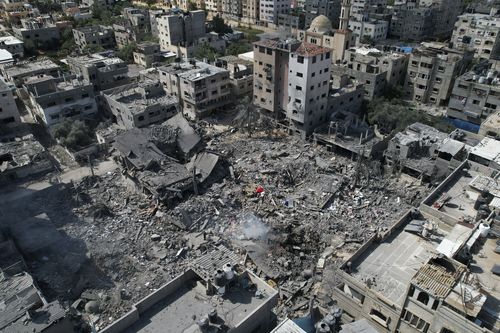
95, 59
19, 153
488, 149
26, 67
310, 50
192, 71
288, 326
9, 40
137, 96
493, 121
389, 266
189, 298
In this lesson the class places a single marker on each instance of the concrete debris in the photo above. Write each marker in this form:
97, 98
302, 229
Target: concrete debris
290, 208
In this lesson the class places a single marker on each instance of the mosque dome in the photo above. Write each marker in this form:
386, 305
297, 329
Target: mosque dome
321, 24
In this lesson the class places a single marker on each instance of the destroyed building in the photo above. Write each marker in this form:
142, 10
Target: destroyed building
101, 71
491, 126
217, 294
201, 88
445, 281
41, 31
377, 70
23, 158
240, 74
53, 99
94, 37
16, 74
147, 53
140, 104
414, 150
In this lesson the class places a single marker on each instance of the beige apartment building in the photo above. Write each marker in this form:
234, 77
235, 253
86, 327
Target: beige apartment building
201, 88
478, 32
476, 94
432, 70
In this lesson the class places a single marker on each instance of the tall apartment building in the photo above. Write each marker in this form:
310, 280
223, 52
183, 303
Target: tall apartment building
147, 53
270, 9
375, 69
250, 11
55, 99
478, 32
13, 45
41, 32
102, 72
427, 19
97, 36
154, 15
183, 34
476, 94
232, 9
328, 8
432, 70
9, 114
201, 88
140, 104
291, 80
240, 74
361, 8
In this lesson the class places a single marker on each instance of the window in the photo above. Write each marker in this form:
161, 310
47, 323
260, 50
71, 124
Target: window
140, 118
445, 330
475, 102
299, 88
268, 90
327, 56
423, 298
300, 59
298, 101
85, 95
314, 60
379, 317
313, 74
300, 74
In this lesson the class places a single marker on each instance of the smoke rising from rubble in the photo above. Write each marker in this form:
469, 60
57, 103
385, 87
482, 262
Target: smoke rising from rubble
253, 228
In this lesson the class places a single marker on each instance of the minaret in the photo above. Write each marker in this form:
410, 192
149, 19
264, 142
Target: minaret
342, 39
345, 13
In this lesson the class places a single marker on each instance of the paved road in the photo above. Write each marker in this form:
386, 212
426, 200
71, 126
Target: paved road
16, 192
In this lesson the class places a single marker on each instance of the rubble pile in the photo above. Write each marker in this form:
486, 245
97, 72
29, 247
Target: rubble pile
286, 206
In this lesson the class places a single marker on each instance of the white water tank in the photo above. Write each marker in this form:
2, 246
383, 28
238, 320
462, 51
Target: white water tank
228, 271
484, 230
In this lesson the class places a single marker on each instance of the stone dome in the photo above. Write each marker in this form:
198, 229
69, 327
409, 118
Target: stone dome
321, 24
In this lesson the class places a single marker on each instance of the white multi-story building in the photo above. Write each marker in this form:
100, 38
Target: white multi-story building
183, 34
55, 99
360, 8
369, 30
13, 45
308, 87
270, 9
9, 114
478, 32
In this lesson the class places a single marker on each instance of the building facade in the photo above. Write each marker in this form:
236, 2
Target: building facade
55, 99
16, 74
9, 114
369, 30
97, 36
102, 72
375, 69
475, 95
13, 45
140, 104
201, 88
478, 32
240, 75
147, 53
270, 9
432, 70
328, 8
39, 33
250, 10
185, 34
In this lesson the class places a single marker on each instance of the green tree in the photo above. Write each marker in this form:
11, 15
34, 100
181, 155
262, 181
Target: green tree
206, 51
219, 26
392, 116
73, 134
238, 48
126, 53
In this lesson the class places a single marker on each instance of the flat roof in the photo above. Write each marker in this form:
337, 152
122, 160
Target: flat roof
27, 67
192, 72
488, 149
391, 264
288, 326
9, 40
